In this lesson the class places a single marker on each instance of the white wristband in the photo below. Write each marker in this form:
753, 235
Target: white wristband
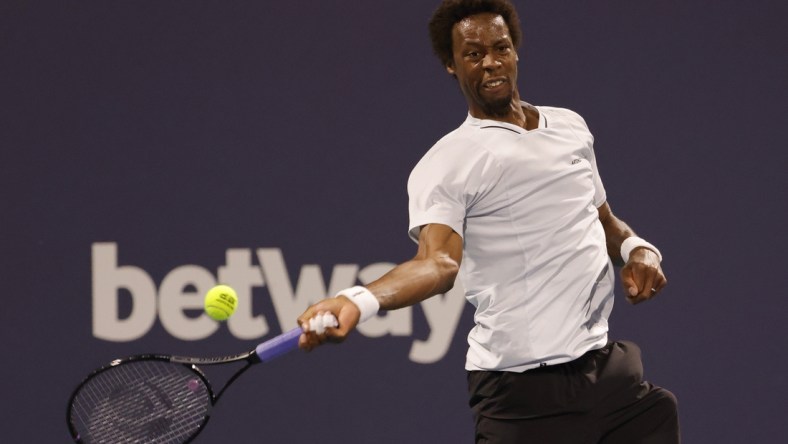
633, 242
366, 302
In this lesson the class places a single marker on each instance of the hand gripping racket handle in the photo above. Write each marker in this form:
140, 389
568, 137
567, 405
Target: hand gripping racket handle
288, 341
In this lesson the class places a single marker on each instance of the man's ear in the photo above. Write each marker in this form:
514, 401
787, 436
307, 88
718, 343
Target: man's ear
450, 68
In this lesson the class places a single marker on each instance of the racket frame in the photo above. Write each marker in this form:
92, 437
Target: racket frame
264, 352
148, 357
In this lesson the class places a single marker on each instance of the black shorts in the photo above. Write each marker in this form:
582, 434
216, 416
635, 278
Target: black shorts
598, 398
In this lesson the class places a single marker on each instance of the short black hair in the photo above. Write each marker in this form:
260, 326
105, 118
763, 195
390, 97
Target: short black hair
452, 11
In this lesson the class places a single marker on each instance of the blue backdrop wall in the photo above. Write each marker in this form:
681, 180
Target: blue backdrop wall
150, 149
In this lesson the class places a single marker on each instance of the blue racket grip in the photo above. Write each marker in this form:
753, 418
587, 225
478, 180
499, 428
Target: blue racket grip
279, 345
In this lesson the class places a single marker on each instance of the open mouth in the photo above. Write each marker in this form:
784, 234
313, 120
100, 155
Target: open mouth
493, 84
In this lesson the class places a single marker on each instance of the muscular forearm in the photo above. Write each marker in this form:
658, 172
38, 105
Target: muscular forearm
430, 272
406, 284
413, 281
615, 234
642, 275
616, 230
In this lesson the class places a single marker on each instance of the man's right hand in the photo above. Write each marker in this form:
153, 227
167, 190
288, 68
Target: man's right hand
346, 312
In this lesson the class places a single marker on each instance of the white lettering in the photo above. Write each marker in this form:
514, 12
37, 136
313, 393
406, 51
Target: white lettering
182, 290
108, 278
310, 288
242, 276
174, 298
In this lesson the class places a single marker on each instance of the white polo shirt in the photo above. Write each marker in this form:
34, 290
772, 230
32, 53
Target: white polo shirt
535, 262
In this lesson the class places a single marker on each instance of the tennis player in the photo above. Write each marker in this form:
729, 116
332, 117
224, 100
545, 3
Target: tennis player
512, 202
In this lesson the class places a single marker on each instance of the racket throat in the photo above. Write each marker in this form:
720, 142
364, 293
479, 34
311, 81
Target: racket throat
232, 379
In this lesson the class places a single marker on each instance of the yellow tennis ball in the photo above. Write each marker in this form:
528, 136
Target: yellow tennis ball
220, 302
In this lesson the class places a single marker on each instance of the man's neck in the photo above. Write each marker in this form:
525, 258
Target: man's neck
517, 113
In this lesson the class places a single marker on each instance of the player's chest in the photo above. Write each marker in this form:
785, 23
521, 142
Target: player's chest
546, 153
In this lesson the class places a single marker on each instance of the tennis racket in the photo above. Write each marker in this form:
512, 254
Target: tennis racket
161, 399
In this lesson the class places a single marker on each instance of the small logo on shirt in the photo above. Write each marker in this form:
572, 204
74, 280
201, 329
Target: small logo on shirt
576, 161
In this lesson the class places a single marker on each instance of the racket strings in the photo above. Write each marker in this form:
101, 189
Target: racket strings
145, 401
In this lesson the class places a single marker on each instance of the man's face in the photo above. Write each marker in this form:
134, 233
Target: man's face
485, 64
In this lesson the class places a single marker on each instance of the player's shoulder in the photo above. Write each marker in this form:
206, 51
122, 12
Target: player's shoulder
456, 151
564, 118
457, 143
561, 114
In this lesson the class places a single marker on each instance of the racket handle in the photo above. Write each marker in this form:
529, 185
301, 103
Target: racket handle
288, 341
279, 345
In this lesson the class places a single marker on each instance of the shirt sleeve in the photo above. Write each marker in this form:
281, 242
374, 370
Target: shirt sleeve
600, 196
447, 182
580, 128
434, 198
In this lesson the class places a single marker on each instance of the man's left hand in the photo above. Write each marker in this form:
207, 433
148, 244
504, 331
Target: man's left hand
642, 276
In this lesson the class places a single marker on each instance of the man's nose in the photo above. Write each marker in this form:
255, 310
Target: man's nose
490, 61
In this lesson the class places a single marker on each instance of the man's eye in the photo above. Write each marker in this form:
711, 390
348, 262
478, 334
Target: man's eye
503, 49
473, 54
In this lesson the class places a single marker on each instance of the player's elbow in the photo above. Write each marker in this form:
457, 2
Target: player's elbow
447, 270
